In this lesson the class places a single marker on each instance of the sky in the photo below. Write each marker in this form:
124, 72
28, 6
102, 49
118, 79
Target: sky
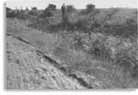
79, 4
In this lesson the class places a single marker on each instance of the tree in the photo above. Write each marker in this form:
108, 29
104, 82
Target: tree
33, 11
90, 7
48, 12
64, 16
70, 8
11, 13
51, 7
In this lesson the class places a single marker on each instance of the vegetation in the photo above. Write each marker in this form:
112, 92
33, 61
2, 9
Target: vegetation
90, 7
70, 8
92, 31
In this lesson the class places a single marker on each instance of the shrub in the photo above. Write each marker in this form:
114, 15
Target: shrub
99, 51
81, 24
128, 30
127, 62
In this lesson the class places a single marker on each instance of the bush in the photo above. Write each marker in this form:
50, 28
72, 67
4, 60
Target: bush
128, 30
128, 62
99, 51
82, 25
46, 13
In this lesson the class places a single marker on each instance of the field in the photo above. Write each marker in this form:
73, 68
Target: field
95, 50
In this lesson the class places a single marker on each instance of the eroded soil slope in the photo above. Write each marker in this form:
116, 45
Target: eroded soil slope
28, 69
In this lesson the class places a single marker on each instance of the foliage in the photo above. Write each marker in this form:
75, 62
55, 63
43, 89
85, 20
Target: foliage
90, 7
128, 62
127, 30
51, 7
33, 12
48, 12
11, 13
70, 8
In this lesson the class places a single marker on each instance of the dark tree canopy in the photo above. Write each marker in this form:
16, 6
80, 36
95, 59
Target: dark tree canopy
11, 13
34, 8
70, 8
48, 12
33, 11
90, 7
51, 7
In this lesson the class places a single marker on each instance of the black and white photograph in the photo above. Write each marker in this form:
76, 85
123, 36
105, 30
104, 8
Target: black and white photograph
70, 45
